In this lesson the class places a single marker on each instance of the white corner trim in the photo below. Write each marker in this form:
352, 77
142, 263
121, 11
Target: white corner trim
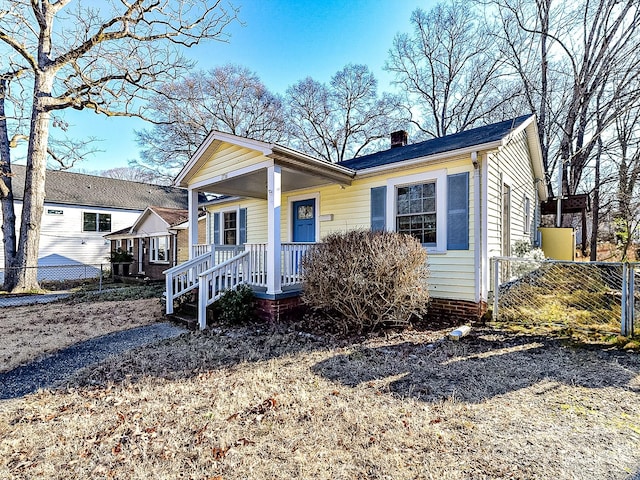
440, 177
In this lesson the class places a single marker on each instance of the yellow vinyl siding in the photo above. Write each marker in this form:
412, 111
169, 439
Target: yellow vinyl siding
226, 159
256, 217
452, 273
511, 163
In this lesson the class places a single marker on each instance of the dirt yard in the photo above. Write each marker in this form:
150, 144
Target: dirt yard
254, 402
27, 333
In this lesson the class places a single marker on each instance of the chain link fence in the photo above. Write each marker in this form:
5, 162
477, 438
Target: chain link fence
64, 277
598, 298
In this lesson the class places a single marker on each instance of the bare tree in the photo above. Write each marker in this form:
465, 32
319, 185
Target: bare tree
626, 157
228, 98
451, 71
344, 119
131, 174
585, 75
104, 58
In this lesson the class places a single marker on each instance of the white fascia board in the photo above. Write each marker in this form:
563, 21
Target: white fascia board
430, 159
264, 148
236, 173
304, 159
147, 211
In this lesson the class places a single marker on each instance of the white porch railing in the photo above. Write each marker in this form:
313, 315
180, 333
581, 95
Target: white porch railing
291, 269
257, 274
223, 267
213, 282
221, 253
183, 278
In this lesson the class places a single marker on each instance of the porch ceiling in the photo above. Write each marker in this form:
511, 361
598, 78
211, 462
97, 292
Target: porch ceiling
254, 184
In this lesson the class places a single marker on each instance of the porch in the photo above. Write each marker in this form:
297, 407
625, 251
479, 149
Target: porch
216, 268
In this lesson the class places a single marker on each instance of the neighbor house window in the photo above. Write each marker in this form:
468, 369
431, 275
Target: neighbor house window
416, 212
96, 222
230, 228
130, 245
527, 214
160, 249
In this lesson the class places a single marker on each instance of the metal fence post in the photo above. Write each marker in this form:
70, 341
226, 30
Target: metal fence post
632, 301
625, 293
496, 284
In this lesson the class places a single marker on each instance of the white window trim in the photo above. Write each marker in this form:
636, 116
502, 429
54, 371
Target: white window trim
152, 241
296, 198
440, 178
221, 223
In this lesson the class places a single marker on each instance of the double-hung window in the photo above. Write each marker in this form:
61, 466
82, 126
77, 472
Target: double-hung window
160, 249
416, 213
230, 228
417, 205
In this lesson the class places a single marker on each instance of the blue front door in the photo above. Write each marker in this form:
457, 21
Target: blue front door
304, 220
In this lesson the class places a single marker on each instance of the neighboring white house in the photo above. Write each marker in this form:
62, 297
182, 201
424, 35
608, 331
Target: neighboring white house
80, 209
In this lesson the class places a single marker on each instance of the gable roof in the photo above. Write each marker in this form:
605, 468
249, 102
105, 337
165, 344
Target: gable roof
70, 188
172, 216
474, 138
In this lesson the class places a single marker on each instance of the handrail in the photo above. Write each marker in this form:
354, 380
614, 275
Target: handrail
183, 278
214, 281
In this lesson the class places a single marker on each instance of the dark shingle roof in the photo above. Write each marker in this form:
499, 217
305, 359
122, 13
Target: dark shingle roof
70, 188
468, 138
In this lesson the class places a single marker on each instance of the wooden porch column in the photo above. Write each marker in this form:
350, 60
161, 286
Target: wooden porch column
274, 199
193, 220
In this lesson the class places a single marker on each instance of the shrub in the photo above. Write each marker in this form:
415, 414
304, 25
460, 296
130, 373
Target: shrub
235, 306
366, 280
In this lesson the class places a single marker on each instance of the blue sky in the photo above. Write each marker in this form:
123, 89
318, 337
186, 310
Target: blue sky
283, 41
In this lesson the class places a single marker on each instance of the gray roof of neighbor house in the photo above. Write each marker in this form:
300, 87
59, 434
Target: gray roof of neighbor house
457, 141
70, 188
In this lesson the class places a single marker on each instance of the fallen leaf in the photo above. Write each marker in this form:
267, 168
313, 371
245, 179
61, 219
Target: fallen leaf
219, 453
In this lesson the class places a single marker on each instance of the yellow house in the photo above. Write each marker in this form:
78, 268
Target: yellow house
467, 197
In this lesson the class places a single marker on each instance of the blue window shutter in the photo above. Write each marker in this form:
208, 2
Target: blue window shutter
378, 208
243, 226
458, 211
216, 229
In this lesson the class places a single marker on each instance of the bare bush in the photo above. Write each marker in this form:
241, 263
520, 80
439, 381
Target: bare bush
364, 280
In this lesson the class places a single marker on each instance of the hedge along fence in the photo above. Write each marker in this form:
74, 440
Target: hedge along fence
365, 280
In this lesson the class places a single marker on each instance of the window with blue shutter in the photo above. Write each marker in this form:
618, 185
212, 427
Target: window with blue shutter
458, 211
243, 226
216, 229
378, 208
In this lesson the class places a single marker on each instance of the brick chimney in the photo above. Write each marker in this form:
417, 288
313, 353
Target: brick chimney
399, 138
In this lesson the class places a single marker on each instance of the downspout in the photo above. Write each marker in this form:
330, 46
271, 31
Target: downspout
484, 225
477, 218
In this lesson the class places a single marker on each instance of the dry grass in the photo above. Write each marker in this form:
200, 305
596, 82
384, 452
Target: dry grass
249, 403
29, 332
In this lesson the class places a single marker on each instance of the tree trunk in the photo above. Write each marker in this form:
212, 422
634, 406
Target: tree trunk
6, 197
595, 207
33, 205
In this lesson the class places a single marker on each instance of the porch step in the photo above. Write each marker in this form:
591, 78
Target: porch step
185, 320
189, 309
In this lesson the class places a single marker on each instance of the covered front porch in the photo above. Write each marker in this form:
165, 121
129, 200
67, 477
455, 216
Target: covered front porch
239, 169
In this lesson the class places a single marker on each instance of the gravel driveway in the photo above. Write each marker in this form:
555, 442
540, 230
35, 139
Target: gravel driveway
52, 369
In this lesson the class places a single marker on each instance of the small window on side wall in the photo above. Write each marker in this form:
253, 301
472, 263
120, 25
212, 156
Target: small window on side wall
527, 214
96, 222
